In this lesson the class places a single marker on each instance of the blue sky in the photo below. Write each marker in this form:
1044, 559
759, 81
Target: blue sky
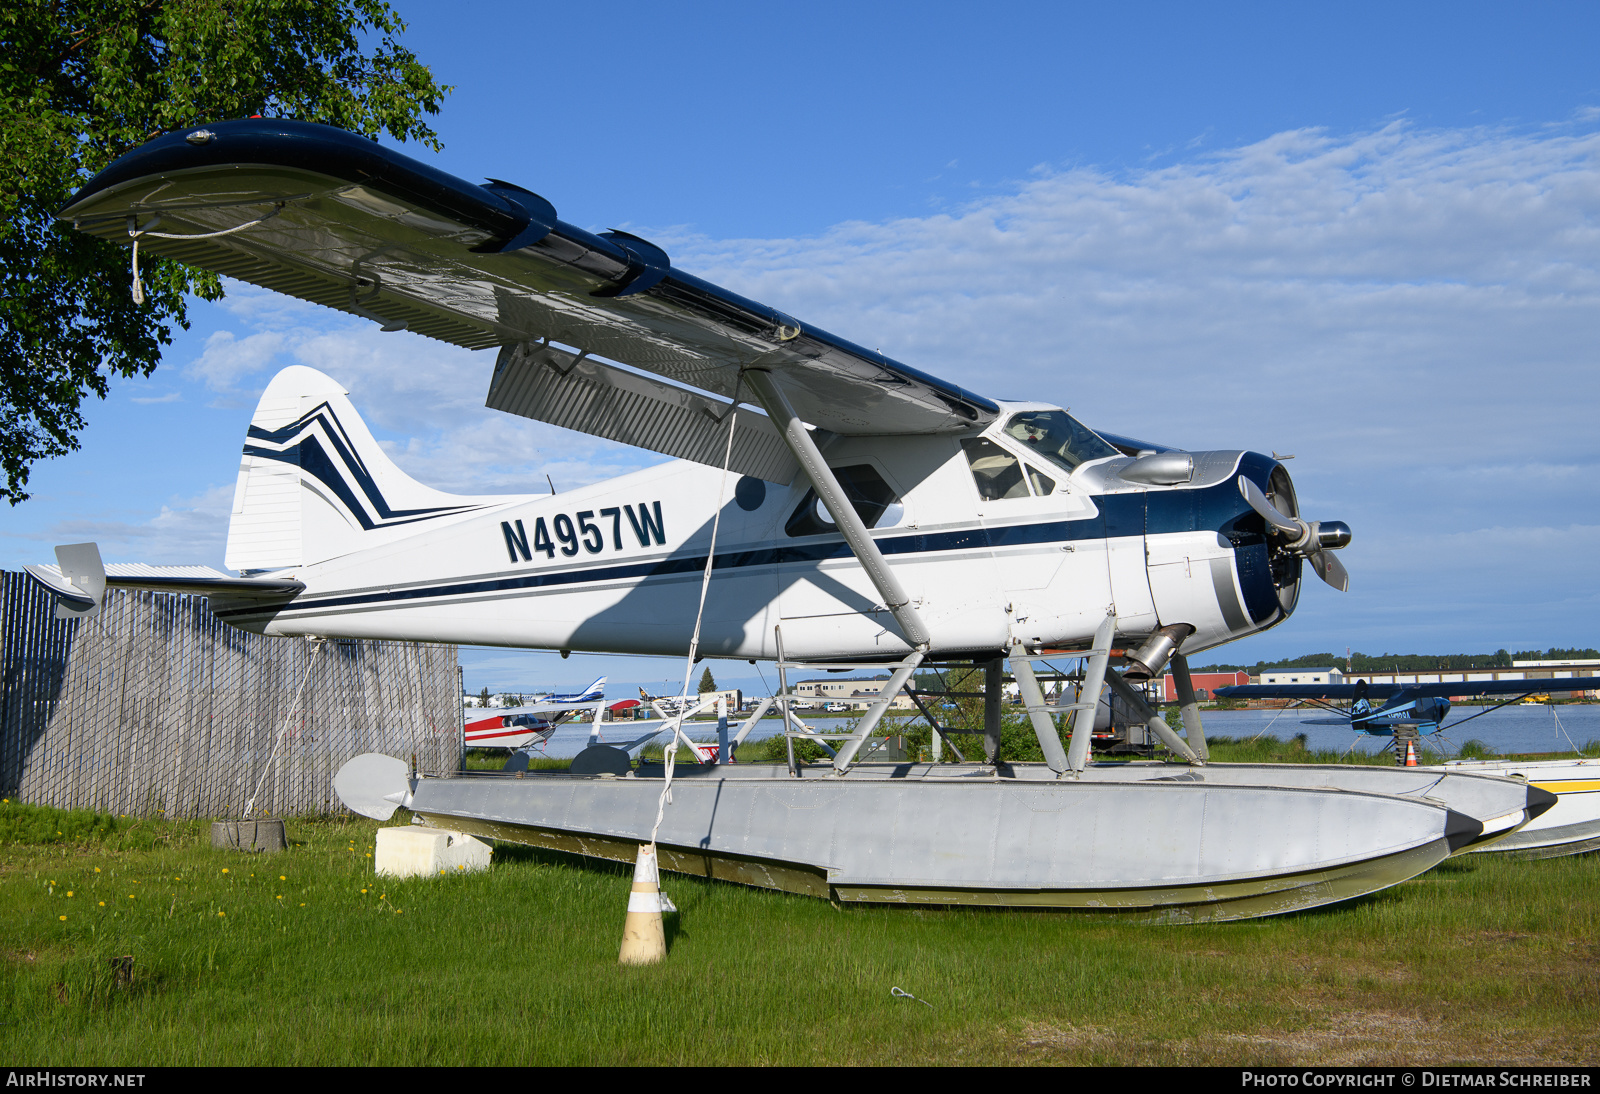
1363, 234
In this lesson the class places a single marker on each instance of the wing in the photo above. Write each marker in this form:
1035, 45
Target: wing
334, 218
1387, 691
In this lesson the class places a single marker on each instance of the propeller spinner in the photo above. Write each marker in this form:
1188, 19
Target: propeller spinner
1312, 540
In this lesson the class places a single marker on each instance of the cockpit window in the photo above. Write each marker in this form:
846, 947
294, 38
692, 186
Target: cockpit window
997, 472
873, 500
1058, 437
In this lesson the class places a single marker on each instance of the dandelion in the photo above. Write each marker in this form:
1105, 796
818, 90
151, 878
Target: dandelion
102, 904
302, 905
224, 869
280, 896
69, 892
222, 913
63, 919
282, 878
363, 892
96, 869
130, 896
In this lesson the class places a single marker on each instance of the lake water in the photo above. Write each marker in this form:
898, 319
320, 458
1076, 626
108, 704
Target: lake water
1515, 728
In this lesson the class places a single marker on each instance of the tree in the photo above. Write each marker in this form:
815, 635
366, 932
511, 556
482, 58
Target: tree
706, 683
82, 82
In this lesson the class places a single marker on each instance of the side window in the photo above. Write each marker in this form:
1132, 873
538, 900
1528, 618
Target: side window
997, 473
1042, 484
873, 500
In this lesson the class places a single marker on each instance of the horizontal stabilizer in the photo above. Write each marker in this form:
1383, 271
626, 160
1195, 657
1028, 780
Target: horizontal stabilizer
79, 597
549, 385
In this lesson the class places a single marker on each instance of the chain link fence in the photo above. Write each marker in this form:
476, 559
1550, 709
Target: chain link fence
154, 705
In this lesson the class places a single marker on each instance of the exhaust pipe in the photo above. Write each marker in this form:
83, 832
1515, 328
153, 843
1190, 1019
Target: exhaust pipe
1149, 659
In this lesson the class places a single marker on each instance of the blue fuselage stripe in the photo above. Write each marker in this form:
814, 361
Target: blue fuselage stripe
1215, 508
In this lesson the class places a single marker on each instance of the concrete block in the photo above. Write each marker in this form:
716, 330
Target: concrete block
263, 834
414, 851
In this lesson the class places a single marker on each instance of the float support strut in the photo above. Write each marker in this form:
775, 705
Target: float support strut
1158, 725
1188, 706
1094, 677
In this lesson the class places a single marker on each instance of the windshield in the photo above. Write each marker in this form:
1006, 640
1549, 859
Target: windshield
1058, 437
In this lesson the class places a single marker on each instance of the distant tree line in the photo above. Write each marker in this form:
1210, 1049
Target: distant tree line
1406, 662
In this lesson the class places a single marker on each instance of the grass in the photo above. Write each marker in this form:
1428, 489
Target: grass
306, 958
494, 759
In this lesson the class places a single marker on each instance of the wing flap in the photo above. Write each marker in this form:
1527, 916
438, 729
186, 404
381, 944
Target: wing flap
548, 384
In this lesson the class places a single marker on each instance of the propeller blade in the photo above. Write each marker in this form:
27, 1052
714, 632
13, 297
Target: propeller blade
1330, 570
1258, 501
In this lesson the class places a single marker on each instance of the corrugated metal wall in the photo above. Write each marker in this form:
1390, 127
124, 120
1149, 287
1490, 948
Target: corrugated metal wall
154, 704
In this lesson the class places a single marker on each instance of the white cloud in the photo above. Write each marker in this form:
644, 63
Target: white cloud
229, 361
1411, 313
184, 531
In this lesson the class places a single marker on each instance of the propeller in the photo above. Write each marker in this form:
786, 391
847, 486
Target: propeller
1311, 540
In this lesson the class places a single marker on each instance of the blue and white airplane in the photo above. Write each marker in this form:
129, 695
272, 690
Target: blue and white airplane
847, 507
870, 510
1423, 707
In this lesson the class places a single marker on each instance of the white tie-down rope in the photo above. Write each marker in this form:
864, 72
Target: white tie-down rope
699, 615
139, 233
316, 648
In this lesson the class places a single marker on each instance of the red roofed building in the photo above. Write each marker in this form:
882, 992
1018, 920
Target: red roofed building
1205, 684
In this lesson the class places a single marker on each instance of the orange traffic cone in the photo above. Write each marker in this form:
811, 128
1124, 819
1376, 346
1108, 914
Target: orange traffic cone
1411, 754
644, 941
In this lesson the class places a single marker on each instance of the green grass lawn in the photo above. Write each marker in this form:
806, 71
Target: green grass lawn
305, 958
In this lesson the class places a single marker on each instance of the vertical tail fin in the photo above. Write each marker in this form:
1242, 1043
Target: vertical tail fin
314, 484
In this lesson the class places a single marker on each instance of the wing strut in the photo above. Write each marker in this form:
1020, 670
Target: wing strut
844, 515
849, 522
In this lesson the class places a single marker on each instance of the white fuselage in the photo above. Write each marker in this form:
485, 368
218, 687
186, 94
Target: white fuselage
617, 566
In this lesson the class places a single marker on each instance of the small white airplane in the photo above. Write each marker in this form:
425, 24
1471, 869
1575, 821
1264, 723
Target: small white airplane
841, 506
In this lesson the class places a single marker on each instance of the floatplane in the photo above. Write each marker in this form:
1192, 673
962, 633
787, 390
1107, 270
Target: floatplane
826, 504
1406, 712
